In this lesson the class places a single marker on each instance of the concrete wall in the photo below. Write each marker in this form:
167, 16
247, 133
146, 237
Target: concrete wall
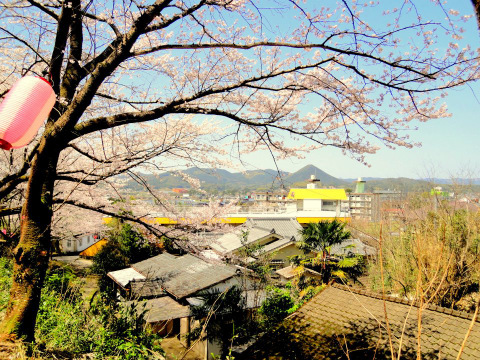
241, 281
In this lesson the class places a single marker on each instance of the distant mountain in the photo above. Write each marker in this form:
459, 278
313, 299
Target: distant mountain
223, 180
455, 181
304, 174
220, 179
217, 179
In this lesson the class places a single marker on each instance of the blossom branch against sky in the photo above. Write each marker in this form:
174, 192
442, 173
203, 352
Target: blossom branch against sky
224, 79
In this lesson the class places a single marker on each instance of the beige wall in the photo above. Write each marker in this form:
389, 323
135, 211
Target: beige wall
286, 252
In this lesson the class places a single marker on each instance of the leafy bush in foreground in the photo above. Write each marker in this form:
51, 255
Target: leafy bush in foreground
67, 325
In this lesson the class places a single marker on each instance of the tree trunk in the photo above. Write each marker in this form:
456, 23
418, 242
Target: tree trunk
32, 253
476, 6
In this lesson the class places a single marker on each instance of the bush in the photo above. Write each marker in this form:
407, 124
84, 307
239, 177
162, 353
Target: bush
68, 326
435, 255
276, 306
6, 268
125, 335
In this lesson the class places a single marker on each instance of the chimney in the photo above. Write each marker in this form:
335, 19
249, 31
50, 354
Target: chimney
312, 182
360, 187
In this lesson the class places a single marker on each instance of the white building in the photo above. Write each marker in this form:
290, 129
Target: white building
78, 243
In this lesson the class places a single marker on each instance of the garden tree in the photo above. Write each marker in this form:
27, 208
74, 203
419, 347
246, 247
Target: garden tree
109, 258
319, 237
276, 306
432, 255
131, 243
179, 65
476, 5
224, 317
125, 246
317, 240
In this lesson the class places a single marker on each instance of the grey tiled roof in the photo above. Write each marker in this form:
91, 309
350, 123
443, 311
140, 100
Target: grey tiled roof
161, 309
285, 230
354, 246
183, 275
283, 227
146, 288
340, 321
233, 241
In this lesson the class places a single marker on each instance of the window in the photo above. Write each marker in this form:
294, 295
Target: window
329, 205
69, 243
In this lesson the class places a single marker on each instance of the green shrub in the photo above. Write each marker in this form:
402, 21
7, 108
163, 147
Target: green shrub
276, 306
125, 335
68, 326
6, 268
64, 324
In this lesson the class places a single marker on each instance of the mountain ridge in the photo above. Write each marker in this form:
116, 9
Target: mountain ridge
268, 179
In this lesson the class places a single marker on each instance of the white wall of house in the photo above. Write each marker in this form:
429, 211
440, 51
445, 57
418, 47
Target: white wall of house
312, 204
78, 243
213, 347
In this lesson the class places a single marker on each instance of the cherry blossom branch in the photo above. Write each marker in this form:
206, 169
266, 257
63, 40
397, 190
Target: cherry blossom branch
323, 46
44, 8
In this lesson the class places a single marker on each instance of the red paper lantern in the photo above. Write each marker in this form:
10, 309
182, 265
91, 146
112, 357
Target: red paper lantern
24, 109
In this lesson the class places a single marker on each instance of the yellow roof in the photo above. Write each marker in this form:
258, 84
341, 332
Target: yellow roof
92, 250
324, 194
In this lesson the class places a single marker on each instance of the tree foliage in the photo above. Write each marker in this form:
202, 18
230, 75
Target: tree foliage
317, 241
224, 317
276, 306
434, 257
125, 246
319, 237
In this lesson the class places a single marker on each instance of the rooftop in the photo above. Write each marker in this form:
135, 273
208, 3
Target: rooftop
185, 275
341, 323
285, 230
354, 246
323, 194
160, 309
234, 240
125, 276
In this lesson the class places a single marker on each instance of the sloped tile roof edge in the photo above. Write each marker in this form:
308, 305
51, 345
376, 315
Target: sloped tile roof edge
393, 299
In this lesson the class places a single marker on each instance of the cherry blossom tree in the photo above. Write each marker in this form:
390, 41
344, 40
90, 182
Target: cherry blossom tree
160, 84
476, 5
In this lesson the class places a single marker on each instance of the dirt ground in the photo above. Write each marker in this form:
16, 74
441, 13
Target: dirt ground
75, 261
174, 350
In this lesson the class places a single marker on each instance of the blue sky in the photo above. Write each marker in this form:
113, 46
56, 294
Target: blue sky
450, 146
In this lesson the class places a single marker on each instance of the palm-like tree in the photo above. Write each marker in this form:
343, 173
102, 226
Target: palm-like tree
321, 236
318, 238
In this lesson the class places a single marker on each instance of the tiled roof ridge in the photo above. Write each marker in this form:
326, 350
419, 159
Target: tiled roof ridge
268, 230
431, 307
